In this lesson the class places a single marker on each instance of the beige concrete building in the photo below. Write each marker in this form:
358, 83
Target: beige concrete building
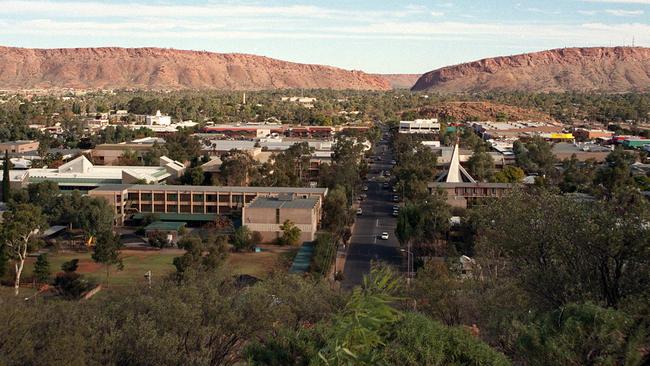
190, 203
266, 214
109, 154
19, 146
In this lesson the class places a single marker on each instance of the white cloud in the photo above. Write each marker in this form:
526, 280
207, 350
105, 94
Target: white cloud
50, 20
623, 13
587, 12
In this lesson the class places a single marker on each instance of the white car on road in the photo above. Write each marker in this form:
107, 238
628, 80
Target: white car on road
359, 211
384, 236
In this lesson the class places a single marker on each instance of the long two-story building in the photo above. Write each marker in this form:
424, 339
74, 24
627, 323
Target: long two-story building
191, 203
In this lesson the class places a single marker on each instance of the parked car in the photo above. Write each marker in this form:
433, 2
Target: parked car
365, 188
386, 184
393, 162
395, 198
395, 213
359, 211
384, 236
395, 207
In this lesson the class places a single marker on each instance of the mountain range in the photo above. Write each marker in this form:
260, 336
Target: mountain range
157, 68
601, 69
596, 69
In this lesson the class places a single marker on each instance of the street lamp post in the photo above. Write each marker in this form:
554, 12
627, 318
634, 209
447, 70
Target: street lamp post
409, 263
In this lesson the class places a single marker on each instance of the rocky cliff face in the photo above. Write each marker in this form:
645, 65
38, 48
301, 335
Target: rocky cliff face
618, 69
155, 68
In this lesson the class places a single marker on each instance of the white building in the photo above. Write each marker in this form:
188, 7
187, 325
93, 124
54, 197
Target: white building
420, 126
81, 174
158, 120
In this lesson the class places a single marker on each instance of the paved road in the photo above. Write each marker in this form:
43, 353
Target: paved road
366, 244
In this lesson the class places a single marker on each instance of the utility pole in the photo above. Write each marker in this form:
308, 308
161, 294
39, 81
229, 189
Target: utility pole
6, 179
148, 276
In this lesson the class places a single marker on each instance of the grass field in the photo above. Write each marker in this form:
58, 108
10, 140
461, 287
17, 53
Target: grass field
159, 262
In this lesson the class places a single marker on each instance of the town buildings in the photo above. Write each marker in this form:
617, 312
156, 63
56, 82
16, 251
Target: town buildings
266, 214
201, 203
110, 154
461, 189
19, 146
517, 130
427, 126
158, 119
83, 175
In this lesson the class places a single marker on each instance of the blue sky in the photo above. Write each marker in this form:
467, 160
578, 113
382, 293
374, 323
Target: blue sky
387, 36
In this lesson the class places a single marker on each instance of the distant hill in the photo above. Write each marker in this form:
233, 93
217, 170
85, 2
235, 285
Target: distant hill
482, 111
156, 68
606, 69
400, 81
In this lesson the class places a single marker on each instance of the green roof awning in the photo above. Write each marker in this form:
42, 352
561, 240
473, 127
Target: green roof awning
164, 226
303, 259
184, 217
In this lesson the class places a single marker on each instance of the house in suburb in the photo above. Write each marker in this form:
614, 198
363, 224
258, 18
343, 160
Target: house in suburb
266, 214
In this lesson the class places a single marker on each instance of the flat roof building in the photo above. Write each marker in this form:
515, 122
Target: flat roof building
515, 130
191, 203
19, 146
427, 126
266, 214
109, 154
81, 174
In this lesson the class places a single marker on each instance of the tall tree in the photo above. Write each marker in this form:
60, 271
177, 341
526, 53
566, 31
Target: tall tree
42, 269
242, 238
416, 167
421, 224
107, 251
595, 251
290, 233
201, 254
481, 165
290, 168
96, 216
238, 168
337, 215
20, 224
182, 146
509, 174
617, 172
534, 156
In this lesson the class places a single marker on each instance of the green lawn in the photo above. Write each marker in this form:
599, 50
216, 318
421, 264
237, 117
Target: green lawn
136, 264
159, 262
